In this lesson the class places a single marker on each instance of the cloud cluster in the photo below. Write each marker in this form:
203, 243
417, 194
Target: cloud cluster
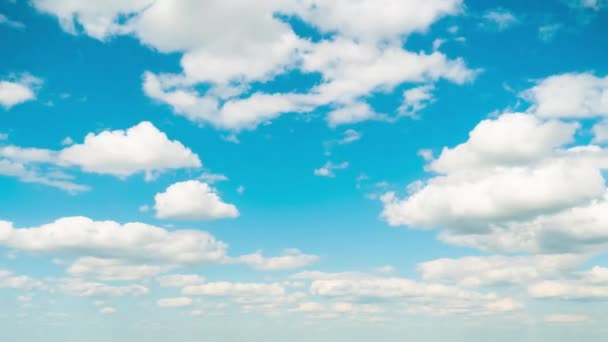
360, 55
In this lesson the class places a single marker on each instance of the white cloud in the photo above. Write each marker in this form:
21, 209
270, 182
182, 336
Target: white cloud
17, 90
180, 280
510, 139
141, 148
466, 201
327, 170
569, 95
192, 200
567, 290
210, 178
416, 99
174, 302
9, 280
256, 45
82, 236
565, 318
351, 113
29, 175
500, 18
416, 296
291, 258
112, 269
497, 269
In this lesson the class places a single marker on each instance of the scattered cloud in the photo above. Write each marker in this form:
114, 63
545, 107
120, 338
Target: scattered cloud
327, 170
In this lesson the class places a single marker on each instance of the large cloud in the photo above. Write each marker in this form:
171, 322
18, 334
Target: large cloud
238, 43
515, 185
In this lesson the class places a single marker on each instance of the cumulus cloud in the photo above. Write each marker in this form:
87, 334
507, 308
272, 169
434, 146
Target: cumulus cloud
192, 200
141, 148
471, 196
108, 239
570, 95
121, 153
417, 297
17, 90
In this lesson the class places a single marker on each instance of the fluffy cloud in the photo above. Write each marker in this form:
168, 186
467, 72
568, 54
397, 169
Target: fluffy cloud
416, 99
353, 63
9, 280
192, 200
292, 258
18, 90
109, 239
570, 95
141, 148
500, 18
558, 202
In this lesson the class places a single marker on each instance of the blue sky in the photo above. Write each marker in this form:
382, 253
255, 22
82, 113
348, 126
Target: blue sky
303, 170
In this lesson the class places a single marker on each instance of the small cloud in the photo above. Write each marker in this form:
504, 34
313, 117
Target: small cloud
144, 208
327, 170
350, 136
107, 310
6, 21
211, 178
499, 18
547, 33
67, 141
240, 190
